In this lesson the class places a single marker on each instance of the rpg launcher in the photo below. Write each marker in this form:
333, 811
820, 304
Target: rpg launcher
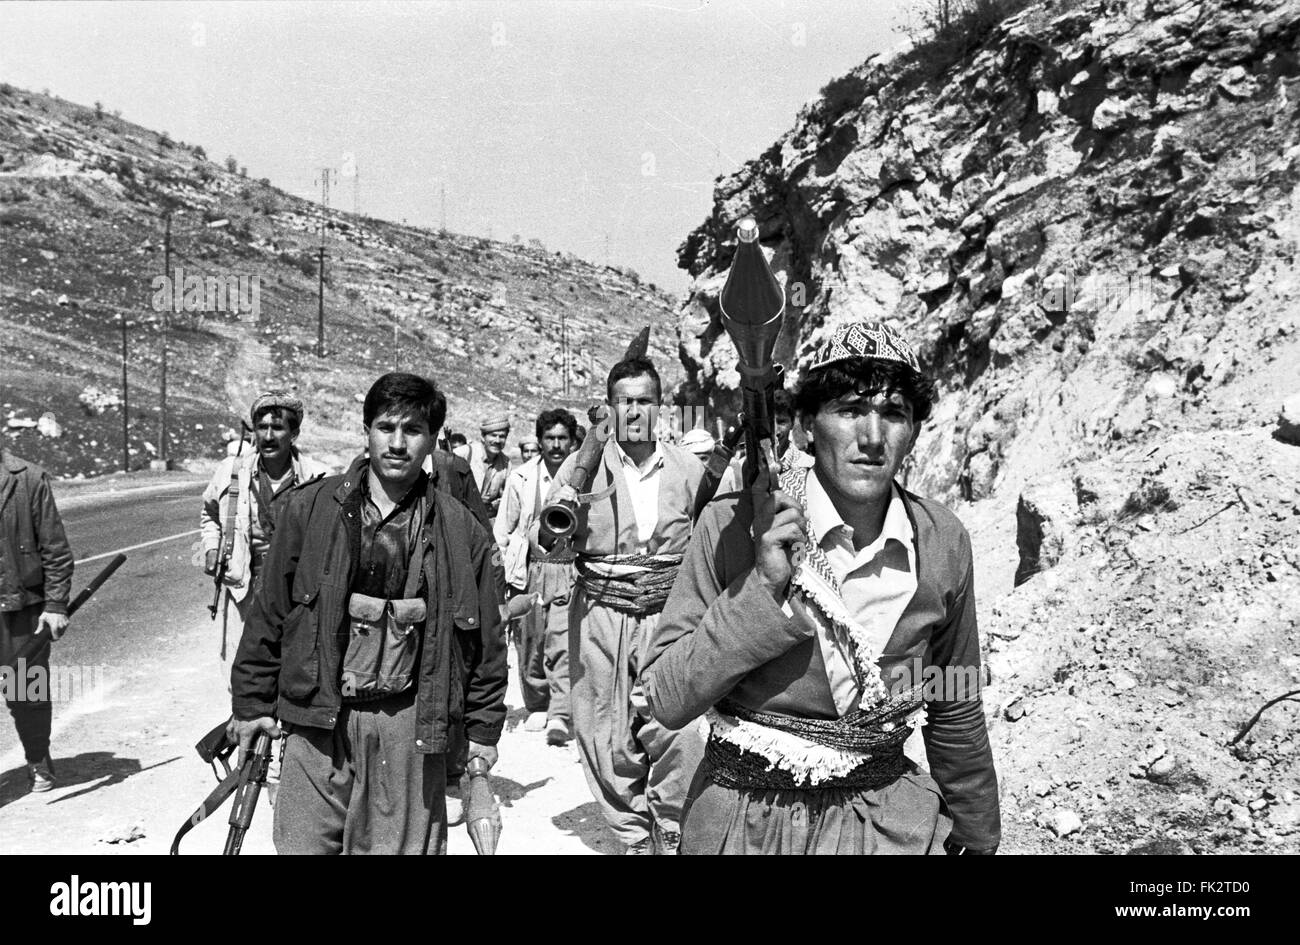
559, 520
753, 311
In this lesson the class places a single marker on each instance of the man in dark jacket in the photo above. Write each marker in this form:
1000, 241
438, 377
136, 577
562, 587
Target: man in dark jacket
376, 631
35, 577
815, 644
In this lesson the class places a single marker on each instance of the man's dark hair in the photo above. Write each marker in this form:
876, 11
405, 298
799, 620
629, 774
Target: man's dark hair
868, 376
633, 367
784, 405
406, 395
289, 417
549, 418
457, 439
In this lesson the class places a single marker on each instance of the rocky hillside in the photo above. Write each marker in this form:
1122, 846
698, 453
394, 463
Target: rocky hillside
82, 201
1089, 225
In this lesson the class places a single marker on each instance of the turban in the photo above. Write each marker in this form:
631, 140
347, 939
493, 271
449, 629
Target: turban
276, 398
496, 424
864, 340
698, 442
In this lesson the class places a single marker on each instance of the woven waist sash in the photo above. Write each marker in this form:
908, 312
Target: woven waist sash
640, 592
768, 751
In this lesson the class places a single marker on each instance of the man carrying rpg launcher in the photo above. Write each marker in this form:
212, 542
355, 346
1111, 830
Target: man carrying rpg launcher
630, 534
804, 624
375, 630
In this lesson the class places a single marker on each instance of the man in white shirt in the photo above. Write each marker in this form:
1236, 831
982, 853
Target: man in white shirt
633, 526
542, 634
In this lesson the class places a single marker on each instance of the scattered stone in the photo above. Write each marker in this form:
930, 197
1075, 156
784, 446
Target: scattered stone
1015, 710
126, 833
1123, 681
48, 426
1258, 804
20, 423
1063, 822
1288, 421
1162, 769
1040, 787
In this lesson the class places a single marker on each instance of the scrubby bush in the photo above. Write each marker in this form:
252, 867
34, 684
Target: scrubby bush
944, 32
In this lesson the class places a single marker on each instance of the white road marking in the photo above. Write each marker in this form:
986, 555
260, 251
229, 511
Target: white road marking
143, 544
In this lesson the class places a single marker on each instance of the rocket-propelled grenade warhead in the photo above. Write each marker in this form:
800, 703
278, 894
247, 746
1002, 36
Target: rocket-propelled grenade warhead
752, 302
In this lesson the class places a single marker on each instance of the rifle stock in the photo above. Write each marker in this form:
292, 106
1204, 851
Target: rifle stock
245, 783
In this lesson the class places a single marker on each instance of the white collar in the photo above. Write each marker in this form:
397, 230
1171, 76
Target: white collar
824, 519
657, 459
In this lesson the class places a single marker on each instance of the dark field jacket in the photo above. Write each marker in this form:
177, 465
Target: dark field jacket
722, 634
289, 659
35, 560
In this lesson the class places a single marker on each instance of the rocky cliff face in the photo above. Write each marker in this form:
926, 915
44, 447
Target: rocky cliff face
1089, 227
82, 198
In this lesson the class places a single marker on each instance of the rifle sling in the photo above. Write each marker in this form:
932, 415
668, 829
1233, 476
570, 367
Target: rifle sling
229, 784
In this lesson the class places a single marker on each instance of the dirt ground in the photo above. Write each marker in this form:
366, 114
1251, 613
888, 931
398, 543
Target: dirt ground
130, 777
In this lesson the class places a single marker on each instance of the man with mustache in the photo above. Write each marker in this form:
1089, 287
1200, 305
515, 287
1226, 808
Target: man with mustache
542, 634
375, 631
488, 460
815, 645
241, 502
632, 528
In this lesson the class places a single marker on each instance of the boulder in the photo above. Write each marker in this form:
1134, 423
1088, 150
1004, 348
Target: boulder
1044, 516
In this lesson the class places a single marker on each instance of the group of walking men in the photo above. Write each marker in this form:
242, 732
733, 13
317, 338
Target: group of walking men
371, 608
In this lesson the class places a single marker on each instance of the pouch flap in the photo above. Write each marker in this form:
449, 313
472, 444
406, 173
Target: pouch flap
367, 608
409, 611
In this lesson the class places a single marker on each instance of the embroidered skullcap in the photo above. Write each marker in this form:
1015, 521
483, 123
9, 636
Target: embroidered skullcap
496, 424
529, 441
865, 340
698, 441
276, 398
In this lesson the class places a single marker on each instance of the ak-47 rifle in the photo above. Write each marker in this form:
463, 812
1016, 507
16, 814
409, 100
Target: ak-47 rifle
38, 641
227, 547
559, 520
245, 783
753, 310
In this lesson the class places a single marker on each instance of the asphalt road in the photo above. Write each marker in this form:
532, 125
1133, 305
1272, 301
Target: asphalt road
137, 615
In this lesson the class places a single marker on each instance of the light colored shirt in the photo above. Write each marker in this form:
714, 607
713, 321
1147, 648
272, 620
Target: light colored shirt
876, 583
643, 486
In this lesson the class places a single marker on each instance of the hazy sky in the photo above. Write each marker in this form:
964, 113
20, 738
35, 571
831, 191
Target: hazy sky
594, 127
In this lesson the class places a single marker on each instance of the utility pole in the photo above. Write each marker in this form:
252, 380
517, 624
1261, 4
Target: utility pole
607, 250
320, 303
564, 353
324, 181
126, 404
444, 208
356, 191
166, 327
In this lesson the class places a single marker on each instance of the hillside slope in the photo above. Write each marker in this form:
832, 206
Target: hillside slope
82, 200
1089, 226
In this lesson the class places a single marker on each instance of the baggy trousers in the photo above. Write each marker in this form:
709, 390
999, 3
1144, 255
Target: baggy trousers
32, 716
638, 770
362, 787
232, 615
542, 649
